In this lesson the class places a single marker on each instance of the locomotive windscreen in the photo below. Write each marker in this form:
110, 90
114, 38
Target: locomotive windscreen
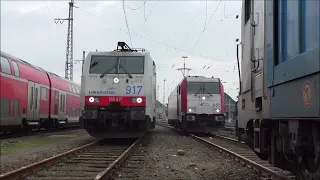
116, 65
211, 88
203, 88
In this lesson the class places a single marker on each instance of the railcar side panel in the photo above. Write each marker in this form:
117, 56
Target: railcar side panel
172, 105
13, 99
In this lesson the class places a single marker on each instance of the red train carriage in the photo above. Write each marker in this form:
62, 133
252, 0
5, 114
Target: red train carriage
197, 104
34, 98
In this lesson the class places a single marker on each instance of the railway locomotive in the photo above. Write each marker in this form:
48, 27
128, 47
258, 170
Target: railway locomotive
278, 105
118, 93
197, 105
32, 98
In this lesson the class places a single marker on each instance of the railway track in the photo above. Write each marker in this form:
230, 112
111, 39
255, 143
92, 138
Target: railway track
243, 154
96, 161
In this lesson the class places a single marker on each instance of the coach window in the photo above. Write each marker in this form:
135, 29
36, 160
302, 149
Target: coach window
5, 66
5, 107
77, 89
43, 94
247, 10
16, 107
64, 103
36, 100
16, 69
70, 87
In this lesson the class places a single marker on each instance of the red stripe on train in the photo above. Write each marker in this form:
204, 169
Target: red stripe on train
124, 101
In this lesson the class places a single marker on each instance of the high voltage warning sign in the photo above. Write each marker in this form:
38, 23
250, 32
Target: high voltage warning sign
307, 95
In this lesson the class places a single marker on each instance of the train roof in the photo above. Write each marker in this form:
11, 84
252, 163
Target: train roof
6, 55
201, 79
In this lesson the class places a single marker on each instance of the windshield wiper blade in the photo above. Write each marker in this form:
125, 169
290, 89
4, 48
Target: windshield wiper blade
102, 75
120, 66
197, 92
94, 64
207, 91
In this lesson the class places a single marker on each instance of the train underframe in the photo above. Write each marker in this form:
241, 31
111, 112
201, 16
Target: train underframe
199, 123
36, 125
288, 144
116, 122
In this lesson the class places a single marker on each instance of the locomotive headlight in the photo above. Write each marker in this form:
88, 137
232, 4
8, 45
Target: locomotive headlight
91, 99
203, 98
116, 80
218, 110
139, 100
190, 110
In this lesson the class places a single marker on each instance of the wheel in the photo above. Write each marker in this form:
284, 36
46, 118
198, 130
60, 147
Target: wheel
306, 169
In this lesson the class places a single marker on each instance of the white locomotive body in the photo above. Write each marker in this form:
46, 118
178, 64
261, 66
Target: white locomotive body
197, 104
118, 93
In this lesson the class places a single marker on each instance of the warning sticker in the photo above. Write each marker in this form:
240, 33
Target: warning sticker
307, 94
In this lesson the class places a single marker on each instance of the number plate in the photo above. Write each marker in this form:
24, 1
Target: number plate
115, 99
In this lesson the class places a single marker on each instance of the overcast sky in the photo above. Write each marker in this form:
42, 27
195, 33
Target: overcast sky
204, 31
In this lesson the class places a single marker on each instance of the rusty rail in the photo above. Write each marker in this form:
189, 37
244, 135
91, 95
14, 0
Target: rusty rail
119, 160
262, 169
38, 165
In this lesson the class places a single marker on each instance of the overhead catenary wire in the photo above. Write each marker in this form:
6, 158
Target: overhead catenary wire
145, 20
125, 17
206, 26
54, 8
48, 8
160, 43
134, 9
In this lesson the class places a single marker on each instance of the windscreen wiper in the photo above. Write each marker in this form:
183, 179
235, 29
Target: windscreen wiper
207, 91
102, 75
120, 66
197, 92
94, 64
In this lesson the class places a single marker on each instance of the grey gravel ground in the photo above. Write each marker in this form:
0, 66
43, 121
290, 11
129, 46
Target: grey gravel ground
198, 162
27, 156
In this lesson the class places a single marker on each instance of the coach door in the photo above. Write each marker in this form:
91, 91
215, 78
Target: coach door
33, 109
62, 105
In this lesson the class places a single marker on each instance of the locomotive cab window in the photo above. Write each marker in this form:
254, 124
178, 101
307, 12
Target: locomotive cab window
194, 87
5, 66
211, 87
16, 69
103, 64
116, 65
131, 64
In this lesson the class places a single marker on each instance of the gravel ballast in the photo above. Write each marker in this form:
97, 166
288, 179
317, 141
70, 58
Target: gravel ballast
170, 155
26, 156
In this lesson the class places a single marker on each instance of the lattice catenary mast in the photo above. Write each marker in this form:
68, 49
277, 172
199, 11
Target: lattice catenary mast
69, 52
183, 70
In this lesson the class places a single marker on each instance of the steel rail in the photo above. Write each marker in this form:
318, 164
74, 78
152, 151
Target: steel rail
119, 160
262, 169
38, 165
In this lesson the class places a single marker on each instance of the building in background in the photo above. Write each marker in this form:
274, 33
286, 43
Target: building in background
230, 109
161, 110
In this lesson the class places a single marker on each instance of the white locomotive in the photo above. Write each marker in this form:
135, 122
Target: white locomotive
118, 93
197, 104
